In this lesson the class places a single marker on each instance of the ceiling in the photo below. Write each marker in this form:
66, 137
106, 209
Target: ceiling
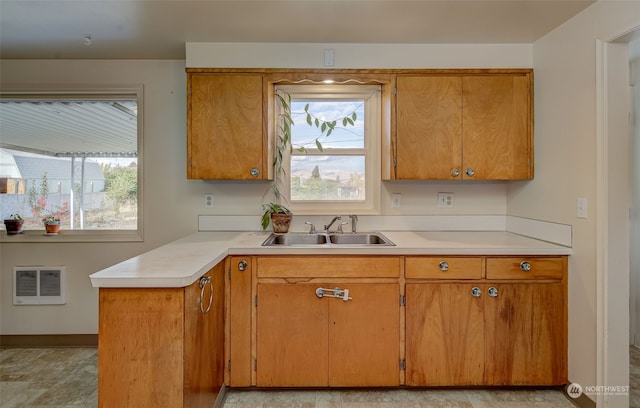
159, 29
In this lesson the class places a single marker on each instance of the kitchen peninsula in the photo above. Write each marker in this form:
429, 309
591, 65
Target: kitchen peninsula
217, 309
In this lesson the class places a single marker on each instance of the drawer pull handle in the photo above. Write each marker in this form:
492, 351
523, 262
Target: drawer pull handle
476, 292
444, 266
493, 292
336, 293
255, 172
243, 265
204, 281
525, 266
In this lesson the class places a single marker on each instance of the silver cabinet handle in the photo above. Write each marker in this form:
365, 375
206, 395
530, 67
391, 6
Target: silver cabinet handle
525, 266
204, 281
455, 173
493, 292
476, 292
243, 265
470, 172
255, 172
444, 266
336, 293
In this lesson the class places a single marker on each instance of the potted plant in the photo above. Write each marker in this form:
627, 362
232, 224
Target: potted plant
13, 224
279, 216
51, 224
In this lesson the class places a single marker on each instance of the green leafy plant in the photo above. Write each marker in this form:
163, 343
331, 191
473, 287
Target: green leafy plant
50, 219
15, 217
272, 208
284, 145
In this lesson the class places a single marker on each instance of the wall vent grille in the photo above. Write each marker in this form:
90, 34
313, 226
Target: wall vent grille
39, 285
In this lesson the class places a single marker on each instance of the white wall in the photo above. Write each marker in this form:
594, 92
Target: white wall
171, 202
565, 143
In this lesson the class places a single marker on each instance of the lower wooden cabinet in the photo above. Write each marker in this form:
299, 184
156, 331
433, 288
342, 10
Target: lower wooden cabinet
305, 340
157, 347
490, 333
445, 335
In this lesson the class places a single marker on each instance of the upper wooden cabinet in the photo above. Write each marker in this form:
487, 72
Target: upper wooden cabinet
226, 136
456, 126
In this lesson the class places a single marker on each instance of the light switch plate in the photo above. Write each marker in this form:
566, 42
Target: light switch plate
581, 207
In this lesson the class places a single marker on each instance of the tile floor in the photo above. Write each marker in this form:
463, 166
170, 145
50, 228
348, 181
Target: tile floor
634, 376
49, 378
67, 377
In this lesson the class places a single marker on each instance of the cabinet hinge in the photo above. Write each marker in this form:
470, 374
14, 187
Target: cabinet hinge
395, 162
395, 91
403, 300
255, 364
403, 364
229, 365
229, 272
256, 300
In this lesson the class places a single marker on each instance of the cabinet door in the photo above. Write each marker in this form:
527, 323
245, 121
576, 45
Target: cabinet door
204, 340
525, 335
292, 336
240, 306
497, 127
364, 336
225, 127
444, 335
429, 127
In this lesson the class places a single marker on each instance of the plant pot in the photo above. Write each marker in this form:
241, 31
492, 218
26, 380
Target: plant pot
280, 222
52, 227
13, 226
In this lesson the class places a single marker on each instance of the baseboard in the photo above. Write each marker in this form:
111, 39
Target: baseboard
222, 395
582, 401
48, 340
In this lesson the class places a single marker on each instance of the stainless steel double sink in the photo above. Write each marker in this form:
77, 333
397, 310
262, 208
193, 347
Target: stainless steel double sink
350, 239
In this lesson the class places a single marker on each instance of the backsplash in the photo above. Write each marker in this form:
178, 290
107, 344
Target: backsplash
560, 234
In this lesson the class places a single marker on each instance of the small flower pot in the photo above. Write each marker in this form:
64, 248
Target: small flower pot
13, 226
280, 222
52, 227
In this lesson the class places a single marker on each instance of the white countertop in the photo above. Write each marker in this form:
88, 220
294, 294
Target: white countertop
182, 262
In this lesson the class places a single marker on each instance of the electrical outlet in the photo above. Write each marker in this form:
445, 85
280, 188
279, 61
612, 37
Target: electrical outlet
396, 200
445, 200
208, 201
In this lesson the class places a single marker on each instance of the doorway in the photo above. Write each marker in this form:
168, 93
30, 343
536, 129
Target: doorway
619, 317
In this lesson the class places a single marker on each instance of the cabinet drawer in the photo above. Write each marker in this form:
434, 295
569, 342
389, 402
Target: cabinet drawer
438, 267
526, 268
329, 267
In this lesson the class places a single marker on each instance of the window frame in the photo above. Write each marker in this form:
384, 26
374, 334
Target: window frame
104, 93
372, 95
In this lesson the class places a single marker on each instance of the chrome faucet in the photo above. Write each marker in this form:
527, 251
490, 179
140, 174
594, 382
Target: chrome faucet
354, 222
336, 218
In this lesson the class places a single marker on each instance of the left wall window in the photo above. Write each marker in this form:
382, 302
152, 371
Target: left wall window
72, 156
